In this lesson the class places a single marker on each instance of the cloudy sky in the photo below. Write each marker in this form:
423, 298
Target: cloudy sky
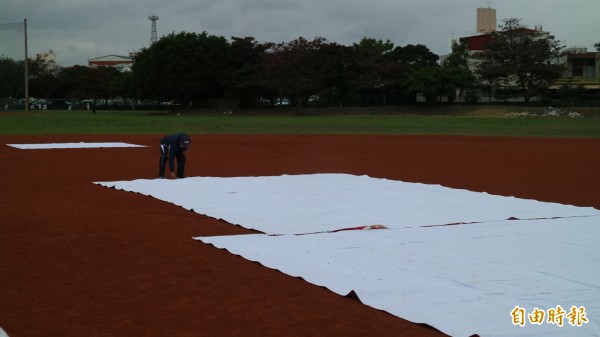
78, 30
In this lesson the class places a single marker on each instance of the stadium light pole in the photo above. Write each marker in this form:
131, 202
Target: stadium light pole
26, 69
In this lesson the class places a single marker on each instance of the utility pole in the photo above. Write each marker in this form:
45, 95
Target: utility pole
26, 69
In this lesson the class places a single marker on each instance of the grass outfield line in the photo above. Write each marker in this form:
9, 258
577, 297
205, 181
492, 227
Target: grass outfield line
146, 122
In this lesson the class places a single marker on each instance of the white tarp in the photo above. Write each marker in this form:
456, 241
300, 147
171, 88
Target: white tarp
462, 279
82, 145
294, 204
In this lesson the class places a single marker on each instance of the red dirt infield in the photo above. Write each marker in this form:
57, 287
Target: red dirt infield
77, 259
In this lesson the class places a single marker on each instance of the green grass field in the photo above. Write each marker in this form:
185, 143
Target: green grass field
286, 122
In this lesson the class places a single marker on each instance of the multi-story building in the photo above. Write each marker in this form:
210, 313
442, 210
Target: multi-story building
48, 56
122, 63
582, 68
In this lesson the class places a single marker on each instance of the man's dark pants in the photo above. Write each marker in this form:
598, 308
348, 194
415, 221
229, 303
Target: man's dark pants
164, 158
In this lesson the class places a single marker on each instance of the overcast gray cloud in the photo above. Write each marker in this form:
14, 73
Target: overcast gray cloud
77, 30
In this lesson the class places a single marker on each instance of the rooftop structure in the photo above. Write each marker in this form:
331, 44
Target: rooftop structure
121, 63
486, 20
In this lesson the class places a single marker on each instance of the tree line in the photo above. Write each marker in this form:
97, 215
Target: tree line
197, 67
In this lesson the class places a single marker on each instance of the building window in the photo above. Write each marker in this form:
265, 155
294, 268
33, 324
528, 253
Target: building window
577, 68
589, 71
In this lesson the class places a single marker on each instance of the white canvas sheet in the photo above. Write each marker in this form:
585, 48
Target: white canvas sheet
461, 279
82, 145
294, 204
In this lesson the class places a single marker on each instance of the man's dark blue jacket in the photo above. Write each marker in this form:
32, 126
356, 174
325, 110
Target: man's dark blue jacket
172, 144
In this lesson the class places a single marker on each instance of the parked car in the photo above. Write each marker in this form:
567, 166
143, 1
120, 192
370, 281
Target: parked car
282, 101
176, 103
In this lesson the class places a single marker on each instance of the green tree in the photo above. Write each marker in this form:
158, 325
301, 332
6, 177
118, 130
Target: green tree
456, 74
12, 77
597, 46
369, 60
120, 85
520, 57
459, 57
426, 81
183, 66
42, 78
71, 82
332, 73
415, 56
85, 83
415, 66
569, 93
435, 82
302, 68
370, 67
247, 64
